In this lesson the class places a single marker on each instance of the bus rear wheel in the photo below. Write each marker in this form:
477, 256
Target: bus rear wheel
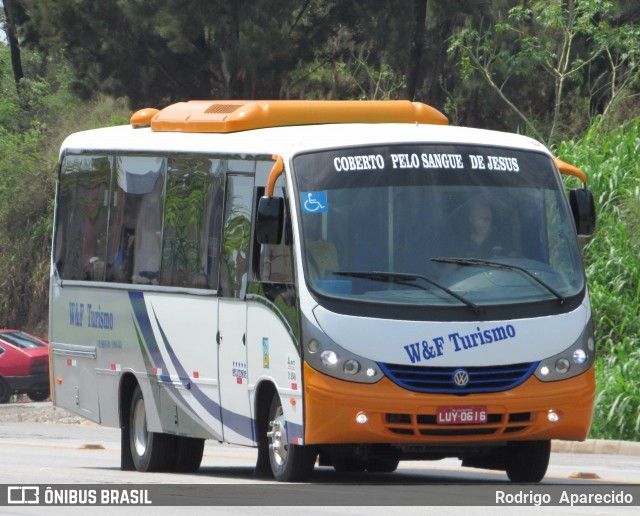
289, 462
527, 461
150, 451
189, 454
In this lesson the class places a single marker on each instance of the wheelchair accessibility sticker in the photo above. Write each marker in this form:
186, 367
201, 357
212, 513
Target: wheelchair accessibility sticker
314, 202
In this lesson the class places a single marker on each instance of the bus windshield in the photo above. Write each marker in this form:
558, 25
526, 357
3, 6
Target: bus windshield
441, 225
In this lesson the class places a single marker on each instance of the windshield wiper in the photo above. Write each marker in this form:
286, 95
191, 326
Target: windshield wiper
403, 278
500, 265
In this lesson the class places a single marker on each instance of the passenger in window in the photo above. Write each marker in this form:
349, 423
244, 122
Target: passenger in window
123, 263
481, 240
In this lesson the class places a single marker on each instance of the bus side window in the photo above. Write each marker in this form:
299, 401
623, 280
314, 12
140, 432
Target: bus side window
275, 263
136, 220
190, 217
236, 237
81, 237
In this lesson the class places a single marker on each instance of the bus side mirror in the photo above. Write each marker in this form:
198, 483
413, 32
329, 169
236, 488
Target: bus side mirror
270, 219
583, 210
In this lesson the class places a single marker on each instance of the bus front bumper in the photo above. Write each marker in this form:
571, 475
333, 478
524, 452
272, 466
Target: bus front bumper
337, 412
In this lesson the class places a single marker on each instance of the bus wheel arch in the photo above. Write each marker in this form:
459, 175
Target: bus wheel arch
141, 449
289, 462
128, 384
264, 394
276, 456
150, 451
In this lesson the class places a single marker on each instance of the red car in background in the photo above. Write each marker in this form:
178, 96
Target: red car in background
24, 365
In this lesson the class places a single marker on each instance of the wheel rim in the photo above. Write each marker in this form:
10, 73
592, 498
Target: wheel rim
278, 445
139, 430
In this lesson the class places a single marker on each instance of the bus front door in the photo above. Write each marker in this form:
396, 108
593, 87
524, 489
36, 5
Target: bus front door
232, 312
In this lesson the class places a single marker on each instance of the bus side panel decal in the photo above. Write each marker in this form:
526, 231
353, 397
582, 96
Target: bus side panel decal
144, 323
240, 424
237, 422
207, 403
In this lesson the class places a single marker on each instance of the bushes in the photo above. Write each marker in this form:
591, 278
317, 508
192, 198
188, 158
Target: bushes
612, 260
617, 412
26, 193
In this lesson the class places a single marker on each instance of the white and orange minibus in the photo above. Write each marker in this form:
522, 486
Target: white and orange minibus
337, 283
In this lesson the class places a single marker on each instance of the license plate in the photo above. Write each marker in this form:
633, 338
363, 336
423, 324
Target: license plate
461, 415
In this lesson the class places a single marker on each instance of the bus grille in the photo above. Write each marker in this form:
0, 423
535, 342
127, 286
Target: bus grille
498, 423
440, 380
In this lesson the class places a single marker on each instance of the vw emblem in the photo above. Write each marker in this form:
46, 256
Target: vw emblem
460, 377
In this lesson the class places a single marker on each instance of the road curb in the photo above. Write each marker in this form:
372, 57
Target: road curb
597, 446
37, 412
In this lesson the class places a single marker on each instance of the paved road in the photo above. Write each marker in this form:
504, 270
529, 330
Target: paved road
56, 449
34, 429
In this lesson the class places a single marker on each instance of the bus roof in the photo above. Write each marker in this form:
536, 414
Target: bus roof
286, 141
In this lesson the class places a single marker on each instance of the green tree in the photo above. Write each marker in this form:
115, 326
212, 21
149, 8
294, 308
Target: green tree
30, 136
158, 51
10, 26
551, 44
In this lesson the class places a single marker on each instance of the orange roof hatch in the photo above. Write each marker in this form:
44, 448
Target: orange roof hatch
142, 117
226, 116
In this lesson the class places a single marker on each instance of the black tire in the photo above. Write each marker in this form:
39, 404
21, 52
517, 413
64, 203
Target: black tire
382, 464
5, 392
527, 461
38, 395
289, 462
348, 464
189, 455
150, 451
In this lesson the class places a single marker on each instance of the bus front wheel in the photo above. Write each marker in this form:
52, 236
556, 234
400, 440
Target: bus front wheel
527, 461
289, 462
150, 451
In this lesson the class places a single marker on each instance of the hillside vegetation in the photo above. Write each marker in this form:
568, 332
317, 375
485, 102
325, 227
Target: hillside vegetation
566, 72
612, 259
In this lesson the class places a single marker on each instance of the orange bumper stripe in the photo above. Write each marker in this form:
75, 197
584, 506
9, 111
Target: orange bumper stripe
396, 415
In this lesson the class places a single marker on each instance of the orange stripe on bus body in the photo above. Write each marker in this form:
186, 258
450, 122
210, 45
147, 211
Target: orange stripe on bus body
396, 415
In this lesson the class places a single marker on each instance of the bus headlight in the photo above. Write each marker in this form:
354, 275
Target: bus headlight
572, 361
351, 367
562, 365
329, 358
324, 355
579, 356
313, 346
